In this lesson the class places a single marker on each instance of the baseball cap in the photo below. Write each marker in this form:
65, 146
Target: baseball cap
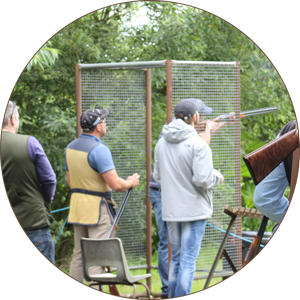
201, 107
91, 117
185, 107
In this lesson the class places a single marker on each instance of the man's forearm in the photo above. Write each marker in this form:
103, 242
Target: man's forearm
115, 182
205, 135
123, 185
49, 191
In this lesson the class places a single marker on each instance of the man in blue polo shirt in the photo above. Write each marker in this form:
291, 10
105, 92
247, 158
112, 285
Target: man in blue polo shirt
91, 175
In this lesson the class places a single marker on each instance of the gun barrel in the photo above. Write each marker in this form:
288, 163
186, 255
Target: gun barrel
119, 213
259, 111
246, 113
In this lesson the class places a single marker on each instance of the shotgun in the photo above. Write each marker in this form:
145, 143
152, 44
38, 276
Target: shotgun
261, 163
245, 113
112, 232
264, 160
251, 112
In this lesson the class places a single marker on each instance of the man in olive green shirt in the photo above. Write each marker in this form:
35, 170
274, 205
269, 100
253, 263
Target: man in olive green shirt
29, 181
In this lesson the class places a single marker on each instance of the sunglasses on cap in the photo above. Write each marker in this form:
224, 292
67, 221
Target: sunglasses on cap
12, 112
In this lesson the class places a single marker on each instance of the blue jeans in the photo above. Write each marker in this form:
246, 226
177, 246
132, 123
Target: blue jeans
155, 198
42, 239
185, 239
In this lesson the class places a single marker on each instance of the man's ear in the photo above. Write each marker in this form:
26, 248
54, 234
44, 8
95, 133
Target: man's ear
197, 118
12, 120
98, 128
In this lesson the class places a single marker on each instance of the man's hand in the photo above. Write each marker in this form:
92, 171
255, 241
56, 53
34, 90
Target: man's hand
211, 124
134, 179
222, 179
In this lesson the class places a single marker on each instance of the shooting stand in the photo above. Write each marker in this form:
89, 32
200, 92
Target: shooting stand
233, 213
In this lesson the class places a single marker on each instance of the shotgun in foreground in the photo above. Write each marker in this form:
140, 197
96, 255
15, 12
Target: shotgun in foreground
260, 164
264, 160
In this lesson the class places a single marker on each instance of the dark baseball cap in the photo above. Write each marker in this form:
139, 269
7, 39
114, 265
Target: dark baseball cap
91, 117
201, 107
185, 107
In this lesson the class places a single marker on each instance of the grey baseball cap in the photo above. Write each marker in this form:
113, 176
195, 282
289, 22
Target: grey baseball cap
201, 107
185, 107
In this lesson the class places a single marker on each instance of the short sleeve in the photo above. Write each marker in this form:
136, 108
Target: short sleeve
66, 165
100, 159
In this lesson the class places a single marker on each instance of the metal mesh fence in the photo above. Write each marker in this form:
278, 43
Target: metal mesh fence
217, 85
123, 92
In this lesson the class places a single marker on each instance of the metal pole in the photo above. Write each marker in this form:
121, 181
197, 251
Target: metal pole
138, 65
220, 251
169, 64
237, 134
148, 175
78, 99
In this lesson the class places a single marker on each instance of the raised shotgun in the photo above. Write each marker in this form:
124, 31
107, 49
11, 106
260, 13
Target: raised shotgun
243, 114
112, 232
264, 160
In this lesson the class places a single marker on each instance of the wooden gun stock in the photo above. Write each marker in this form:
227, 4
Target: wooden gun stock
253, 250
264, 160
113, 232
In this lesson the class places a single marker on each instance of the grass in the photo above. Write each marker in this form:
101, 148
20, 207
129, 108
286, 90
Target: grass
156, 284
155, 281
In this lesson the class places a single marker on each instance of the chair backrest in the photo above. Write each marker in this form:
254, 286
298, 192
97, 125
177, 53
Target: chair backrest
104, 252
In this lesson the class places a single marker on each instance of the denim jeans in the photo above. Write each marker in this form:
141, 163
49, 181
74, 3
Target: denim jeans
185, 239
42, 239
155, 198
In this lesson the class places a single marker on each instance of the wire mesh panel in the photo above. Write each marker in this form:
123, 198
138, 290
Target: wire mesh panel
123, 93
217, 85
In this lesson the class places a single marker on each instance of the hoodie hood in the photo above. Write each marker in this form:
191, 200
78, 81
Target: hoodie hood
178, 131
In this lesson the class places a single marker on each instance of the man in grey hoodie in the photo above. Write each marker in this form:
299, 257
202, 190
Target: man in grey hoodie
184, 169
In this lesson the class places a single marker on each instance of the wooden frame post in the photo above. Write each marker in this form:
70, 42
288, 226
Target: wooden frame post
148, 175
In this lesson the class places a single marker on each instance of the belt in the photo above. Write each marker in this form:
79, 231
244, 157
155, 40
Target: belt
155, 188
106, 195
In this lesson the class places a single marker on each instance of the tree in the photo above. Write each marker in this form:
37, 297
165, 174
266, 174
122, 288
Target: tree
46, 56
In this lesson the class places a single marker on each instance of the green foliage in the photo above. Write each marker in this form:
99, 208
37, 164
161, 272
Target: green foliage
63, 243
46, 56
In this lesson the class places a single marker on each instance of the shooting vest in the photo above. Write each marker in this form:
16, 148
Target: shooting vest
89, 189
22, 184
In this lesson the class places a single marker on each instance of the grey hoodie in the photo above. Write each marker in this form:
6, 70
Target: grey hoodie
184, 169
